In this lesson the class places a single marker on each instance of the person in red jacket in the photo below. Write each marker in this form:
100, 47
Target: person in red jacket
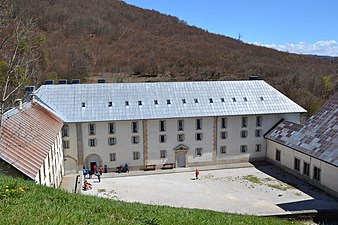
94, 168
196, 174
100, 169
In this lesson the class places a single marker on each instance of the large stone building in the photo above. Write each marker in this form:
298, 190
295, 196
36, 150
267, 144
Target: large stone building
185, 123
309, 151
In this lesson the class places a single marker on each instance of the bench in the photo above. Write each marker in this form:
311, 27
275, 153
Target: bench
150, 167
167, 166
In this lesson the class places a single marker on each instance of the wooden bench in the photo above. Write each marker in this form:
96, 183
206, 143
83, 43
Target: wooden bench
150, 167
167, 166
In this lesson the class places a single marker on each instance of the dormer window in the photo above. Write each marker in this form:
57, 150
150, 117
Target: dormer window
196, 100
139, 102
210, 100
126, 103
110, 104
155, 102
222, 100
245, 99
234, 99
262, 99
184, 101
168, 102
83, 104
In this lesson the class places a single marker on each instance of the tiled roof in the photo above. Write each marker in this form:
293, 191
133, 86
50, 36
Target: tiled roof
27, 136
318, 137
134, 101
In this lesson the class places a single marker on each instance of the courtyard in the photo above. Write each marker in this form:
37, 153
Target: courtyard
260, 190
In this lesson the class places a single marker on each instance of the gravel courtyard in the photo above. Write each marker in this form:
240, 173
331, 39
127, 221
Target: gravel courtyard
253, 190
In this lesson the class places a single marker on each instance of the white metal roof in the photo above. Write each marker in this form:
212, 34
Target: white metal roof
91, 102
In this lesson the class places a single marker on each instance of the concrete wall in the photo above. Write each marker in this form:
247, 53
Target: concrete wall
328, 177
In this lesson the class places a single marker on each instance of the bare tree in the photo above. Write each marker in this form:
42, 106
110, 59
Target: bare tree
20, 53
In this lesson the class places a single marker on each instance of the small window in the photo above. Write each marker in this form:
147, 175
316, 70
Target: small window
65, 144
234, 99
163, 138
110, 104
91, 129
245, 99
244, 133
196, 100
180, 137
126, 103
163, 154
136, 155
198, 151
162, 126
112, 141
278, 155
198, 124
134, 127
244, 148
223, 150
180, 125
155, 102
92, 142
211, 101
111, 128
184, 101
296, 164
112, 157
139, 102
168, 102
244, 122
316, 173
258, 121
224, 123
198, 136
262, 99
224, 135
83, 104
65, 131
135, 139
222, 100
258, 148
306, 169
258, 133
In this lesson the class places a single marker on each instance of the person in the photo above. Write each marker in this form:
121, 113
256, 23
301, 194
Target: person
86, 186
126, 168
98, 177
84, 171
100, 169
94, 168
196, 174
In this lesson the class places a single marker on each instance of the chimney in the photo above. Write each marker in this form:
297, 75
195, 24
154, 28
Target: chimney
28, 92
62, 81
49, 82
18, 103
101, 81
76, 81
254, 77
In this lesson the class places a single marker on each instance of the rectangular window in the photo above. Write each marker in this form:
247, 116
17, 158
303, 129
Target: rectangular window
224, 135
258, 121
199, 136
198, 124
112, 157
134, 127
244, 133
306, 169
198, 151
111, 128
136, 155
163, 154
163, 138
223, 149
277, 156
180, 137
65, 131
112, 141
224, 123
135, 139
258, 133
91, 129
180, 125
162, 126
65, 144
244, 148
244, 121
92, 142
258, 148
296, 164
316, 173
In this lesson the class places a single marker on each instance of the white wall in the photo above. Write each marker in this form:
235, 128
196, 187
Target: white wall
328, 172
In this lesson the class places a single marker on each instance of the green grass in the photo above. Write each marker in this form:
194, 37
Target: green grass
252, 179
23, 202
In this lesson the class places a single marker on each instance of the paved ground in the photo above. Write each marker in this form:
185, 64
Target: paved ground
250, 190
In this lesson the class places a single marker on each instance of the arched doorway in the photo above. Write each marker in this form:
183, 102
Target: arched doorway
93, 159
181, 155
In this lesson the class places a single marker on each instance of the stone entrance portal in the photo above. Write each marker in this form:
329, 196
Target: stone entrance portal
181, 155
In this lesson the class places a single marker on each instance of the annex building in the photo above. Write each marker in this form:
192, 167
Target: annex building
179, 123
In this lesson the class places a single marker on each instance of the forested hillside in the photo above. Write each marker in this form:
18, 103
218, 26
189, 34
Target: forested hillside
122, 43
